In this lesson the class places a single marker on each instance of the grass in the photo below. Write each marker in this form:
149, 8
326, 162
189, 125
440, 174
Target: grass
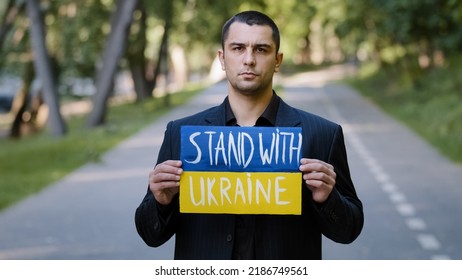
30, 164
431, 104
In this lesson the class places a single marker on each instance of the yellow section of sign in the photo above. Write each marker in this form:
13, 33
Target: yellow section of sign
240, 192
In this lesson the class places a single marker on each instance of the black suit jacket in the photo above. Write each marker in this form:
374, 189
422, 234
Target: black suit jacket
210, 236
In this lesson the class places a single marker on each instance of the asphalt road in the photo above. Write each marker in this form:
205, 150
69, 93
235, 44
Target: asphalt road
410, 192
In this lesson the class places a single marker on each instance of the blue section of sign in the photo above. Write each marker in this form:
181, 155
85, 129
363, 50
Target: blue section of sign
231, 148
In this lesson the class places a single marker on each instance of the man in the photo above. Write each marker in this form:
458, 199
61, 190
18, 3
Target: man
330, 206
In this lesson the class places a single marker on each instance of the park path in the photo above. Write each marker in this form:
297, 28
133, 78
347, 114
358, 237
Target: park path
90, 213
410, 192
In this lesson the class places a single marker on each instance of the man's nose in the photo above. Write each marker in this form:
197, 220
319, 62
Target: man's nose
249, 57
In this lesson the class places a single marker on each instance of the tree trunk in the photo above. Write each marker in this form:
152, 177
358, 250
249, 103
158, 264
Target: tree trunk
164, 68
115, 46
160, 57
20, 101
161, 66
139, 81
43, 68
136, 58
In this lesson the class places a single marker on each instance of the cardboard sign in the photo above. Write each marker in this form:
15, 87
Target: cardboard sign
240, 193
240, 170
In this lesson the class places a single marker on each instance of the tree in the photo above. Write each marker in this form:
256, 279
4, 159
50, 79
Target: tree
78, 47
137, 44
43, 67
162, 10
114, 49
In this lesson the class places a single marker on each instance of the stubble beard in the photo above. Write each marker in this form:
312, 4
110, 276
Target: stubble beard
249, 88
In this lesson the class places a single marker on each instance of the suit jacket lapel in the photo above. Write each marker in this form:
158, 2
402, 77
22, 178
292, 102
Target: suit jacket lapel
287, 116
216, 116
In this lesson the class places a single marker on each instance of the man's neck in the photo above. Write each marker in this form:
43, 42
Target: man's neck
248, 108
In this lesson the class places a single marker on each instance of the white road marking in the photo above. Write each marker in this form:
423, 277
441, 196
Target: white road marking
405, 209
416, 224
389, 187
428, 241
440, 257
397, 197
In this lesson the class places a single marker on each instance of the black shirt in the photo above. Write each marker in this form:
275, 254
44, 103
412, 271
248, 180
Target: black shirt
244, 235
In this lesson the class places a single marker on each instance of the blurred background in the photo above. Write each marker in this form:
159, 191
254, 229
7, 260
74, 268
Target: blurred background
54, 51
79, 76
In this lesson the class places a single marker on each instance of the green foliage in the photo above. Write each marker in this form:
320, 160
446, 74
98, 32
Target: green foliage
432, 105
414, 27
77, 46
198, 23
385, 31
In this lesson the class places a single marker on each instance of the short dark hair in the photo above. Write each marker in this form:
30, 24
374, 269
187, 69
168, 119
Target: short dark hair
251, 18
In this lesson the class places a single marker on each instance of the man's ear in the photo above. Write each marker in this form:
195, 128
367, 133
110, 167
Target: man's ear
279, 57
221, 57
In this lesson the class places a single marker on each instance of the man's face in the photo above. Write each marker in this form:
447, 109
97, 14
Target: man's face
249, 58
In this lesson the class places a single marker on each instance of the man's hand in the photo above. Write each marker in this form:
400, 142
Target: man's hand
319, 177
164, 181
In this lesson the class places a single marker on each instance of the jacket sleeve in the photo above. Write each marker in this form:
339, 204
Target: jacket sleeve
341, 216
156, 223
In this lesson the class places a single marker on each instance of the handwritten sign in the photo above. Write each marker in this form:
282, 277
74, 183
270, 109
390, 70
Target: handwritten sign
240, 170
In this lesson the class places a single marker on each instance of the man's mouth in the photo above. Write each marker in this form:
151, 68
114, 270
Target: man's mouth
247, 74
